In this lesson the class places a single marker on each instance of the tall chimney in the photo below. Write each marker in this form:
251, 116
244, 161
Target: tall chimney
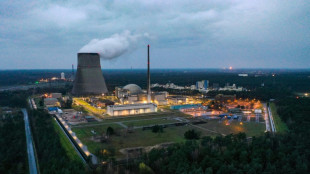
148, 75
89, 79
72, 70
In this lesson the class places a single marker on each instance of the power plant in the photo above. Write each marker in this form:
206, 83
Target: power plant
89, 79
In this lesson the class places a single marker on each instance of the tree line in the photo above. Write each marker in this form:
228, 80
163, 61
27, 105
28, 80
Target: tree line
13, 151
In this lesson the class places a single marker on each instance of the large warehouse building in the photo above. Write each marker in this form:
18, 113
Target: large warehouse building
120, 110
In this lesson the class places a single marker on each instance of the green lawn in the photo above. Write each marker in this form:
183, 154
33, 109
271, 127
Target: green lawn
128, 118
137, 138
37, 102
280, 125
85, 134
70, 151
250, 128
141, 137
150, 122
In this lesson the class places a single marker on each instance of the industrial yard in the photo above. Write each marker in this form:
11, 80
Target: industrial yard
132, 120
135, 131
132, 133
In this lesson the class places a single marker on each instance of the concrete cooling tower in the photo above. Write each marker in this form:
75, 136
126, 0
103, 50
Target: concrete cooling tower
89, 79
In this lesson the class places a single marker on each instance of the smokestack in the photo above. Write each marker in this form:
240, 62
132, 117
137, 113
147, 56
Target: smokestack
148, 75
72, 70
89, 79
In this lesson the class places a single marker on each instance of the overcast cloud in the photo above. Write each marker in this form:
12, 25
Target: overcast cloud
182, 34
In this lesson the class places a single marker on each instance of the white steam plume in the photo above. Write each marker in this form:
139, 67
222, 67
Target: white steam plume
114, 46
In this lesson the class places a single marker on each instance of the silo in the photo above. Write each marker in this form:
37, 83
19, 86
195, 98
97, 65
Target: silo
89, 79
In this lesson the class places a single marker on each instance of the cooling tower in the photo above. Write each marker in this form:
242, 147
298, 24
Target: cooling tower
89, 79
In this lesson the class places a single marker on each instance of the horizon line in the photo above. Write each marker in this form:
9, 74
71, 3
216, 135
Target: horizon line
166, 69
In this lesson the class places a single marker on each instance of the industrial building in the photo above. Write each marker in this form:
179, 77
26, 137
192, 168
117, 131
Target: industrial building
62, 76
130, 89
49, 102
202, 85
131, 109
89, 79
56, 95
177, 100
133, 94
231, 88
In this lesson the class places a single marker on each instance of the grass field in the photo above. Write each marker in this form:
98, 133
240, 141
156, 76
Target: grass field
70, 151
111, 119
144, 138
250, 128
84, 134
137, 138
150, 122
37, 102
280, 125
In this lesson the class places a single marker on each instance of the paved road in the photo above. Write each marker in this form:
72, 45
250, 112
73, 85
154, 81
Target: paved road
273, 127
121, 124
266, 118
30, 150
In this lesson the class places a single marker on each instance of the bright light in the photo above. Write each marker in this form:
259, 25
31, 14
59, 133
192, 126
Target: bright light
241, 123
230, 67
306, 94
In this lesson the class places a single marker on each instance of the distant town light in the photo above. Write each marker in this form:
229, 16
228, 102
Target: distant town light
230, 68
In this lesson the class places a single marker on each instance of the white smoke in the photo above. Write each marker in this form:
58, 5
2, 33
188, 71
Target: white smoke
114, 46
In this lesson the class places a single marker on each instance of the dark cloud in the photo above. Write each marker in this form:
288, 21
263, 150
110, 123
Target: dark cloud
185, 34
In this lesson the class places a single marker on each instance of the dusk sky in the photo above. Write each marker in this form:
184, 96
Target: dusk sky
182, 33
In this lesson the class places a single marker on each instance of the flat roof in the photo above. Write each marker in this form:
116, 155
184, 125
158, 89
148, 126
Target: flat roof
132, 106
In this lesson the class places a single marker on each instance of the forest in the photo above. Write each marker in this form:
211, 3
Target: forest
51, 154
298, 80
13, 151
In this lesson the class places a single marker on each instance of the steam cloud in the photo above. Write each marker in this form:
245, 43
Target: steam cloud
114, 46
